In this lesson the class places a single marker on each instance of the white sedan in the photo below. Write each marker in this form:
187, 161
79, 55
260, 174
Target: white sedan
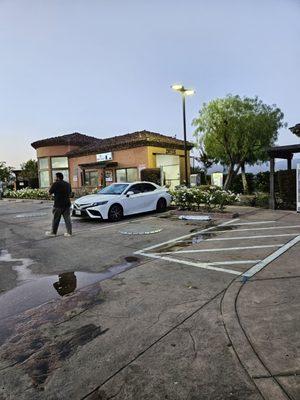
119, 199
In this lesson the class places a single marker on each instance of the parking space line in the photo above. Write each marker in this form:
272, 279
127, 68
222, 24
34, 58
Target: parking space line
182, 237
251, 237
262, 229
229, 222
263, 263
222, 249
254, 223
194, 264
233, 262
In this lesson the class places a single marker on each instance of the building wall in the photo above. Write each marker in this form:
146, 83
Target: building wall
135, 157
138, 157
52, 151
152, 151
75, 171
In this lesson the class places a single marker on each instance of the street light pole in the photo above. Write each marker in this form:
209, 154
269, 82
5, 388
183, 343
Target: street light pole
185, 144
184, 92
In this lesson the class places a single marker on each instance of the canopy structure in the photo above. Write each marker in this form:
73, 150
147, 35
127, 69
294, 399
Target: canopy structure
283, 152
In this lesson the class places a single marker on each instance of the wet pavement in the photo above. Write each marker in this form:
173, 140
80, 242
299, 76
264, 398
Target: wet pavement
98, 316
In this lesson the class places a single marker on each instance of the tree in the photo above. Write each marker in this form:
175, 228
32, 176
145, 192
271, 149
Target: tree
236, 131
30, 172
5, 171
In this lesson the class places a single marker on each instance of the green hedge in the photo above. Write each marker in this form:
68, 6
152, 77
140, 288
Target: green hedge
28, 193
207, 197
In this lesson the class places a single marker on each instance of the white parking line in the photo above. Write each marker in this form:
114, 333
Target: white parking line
251, 237
261, 229
231, 262
194, 264
229, 222
221, 249
263, 263
254, 223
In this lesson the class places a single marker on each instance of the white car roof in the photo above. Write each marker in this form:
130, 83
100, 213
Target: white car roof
133, 183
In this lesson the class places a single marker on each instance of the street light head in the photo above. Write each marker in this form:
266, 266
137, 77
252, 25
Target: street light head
189, 92
177, 87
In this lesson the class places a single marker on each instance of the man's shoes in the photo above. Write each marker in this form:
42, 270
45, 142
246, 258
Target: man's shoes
51, 234
67, 234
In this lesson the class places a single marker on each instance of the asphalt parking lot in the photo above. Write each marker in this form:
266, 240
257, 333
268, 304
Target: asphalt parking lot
183, 313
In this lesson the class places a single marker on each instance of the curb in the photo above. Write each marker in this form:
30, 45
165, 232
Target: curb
246, 354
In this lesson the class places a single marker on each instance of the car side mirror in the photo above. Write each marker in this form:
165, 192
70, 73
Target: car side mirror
130, 193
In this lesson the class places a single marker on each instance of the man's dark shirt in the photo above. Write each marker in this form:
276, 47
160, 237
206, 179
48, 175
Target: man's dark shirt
62, 192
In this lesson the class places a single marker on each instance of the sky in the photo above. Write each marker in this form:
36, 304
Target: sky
105, 67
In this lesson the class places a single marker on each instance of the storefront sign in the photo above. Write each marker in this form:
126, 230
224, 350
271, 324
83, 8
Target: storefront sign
298, 188
217, 179
104, 156
108, 175
171, 151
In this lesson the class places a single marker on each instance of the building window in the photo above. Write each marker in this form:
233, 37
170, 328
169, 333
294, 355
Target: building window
44, 172
65, 173
127, 175
59, 162
44, 179
44, 163
91, 178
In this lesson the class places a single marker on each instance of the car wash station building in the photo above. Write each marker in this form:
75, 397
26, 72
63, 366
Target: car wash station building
87, 161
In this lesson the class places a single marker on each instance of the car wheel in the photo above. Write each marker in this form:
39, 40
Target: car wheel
115, 213
161, 205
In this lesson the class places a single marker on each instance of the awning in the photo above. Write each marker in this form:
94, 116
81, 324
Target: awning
99, 165
286, 151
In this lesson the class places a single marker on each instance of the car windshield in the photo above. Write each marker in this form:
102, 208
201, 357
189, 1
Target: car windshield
117, 188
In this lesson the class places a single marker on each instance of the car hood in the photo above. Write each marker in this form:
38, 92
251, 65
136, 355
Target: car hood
93, 198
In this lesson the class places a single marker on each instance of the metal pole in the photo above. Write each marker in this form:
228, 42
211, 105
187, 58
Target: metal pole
185, 145
272, 200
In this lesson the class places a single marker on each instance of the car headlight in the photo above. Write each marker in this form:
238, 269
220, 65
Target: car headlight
99, 203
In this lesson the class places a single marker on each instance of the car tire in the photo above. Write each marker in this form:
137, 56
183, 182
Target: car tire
161, 205
115, 213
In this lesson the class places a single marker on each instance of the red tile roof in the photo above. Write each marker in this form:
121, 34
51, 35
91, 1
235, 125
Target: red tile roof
75, 139
90, 145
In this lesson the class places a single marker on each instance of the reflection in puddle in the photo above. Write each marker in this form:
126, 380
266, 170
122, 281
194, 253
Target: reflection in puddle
66, 284
39, 289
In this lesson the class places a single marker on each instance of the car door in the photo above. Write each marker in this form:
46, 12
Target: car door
149, 195
134, 203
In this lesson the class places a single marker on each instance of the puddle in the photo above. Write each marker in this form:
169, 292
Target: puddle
186, 242
225, 228
37, 289
195, 239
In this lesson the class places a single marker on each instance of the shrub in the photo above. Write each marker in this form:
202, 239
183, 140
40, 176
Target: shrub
151, 175
210, 198
28, 193
262, 200
262, 181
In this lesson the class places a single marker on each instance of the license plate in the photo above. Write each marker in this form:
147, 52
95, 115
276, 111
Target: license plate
77, 212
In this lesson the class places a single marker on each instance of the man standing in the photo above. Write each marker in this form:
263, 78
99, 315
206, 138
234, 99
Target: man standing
62, 193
